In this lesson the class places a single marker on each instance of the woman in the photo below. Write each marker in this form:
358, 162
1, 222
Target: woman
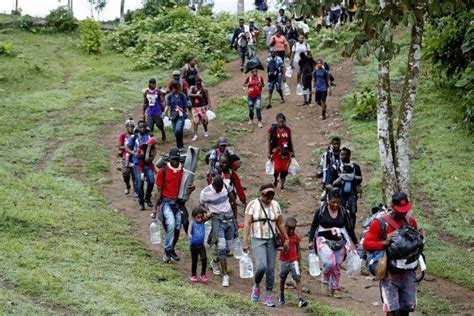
306, 65
127, 165
255, 84
176, 103
300, 47
279, 43
280, 149
201, 102
332, 233
190, 72
263, 218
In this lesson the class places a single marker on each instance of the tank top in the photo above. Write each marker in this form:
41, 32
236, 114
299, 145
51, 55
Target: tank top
198, 233
191, 75
198, 102
154, 102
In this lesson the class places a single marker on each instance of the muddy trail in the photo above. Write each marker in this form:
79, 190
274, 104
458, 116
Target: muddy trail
310, 134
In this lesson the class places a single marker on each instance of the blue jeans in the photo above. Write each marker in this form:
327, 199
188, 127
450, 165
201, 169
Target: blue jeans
172, 216
255, 103
178, 127
150, 180
274, 81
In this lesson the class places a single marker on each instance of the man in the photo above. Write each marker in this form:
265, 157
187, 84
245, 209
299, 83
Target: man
133, 146
182, 82
252, 35
231, 180
321, 86
282, 18
268, 30
200, 102
239, 42
153, 106
291, 33
275, 75
398, 288
172, 211
216, 197
329, 164
345, 156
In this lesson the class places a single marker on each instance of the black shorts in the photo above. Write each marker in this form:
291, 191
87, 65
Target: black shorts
321, 96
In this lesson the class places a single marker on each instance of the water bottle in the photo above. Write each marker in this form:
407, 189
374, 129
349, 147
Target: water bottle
269, 167
246, 266
313, 261
155, 234
237, 249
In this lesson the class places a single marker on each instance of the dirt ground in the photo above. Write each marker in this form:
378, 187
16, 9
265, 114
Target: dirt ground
309, 133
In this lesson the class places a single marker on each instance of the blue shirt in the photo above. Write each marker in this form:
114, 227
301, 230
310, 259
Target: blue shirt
198, 233
321, 79
274, 65
178, 103
135, 141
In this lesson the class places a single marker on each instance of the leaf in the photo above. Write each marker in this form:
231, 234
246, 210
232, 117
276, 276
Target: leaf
379, 54
411, 18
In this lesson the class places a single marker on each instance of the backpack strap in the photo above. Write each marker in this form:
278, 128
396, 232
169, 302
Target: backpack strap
389, 219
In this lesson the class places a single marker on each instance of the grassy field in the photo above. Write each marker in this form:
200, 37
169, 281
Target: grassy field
441, 172
62, 249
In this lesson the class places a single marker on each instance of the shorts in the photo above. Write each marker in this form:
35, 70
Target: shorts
398, 291
293, 267
199, 114
321, 96
274, 81
280, 164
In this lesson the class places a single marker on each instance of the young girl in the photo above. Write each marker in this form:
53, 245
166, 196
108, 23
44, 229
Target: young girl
197, 233
255, 84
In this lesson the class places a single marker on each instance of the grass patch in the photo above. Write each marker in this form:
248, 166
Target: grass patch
429, 303
293, 181
320, 308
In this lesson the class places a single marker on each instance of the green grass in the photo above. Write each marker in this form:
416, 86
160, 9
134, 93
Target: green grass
62, 248
429, 303
441, 172
320, 308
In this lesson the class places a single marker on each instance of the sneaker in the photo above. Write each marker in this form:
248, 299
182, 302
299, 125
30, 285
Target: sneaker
194, 279
194, 138
260, 125
250, 122
225, 281
269, 301
141, 207
166, 257
149, 203
281, 300
127, 191
215, 267
204, 278
206, 135
302, 303
174, 256
255, 297
142, 176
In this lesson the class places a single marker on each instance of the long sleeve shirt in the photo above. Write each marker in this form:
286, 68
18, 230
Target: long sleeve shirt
373, 240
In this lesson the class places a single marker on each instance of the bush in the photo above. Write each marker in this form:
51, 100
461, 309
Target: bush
26, 23
90, 36
61, 19
216, 68
364, 105
7, 49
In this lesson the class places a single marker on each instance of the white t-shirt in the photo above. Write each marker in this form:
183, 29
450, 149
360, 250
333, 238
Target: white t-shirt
299, 48
260, 228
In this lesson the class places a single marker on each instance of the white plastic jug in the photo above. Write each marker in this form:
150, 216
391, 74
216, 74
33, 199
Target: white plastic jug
294, 167
166, 121
313, 261
286, 87
269, 167
353, 263
155, 233
299, 89
210, 115
187, 124
237, 248
246, 266
288, 72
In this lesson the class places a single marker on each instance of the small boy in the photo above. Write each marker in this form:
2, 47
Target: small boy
197, 234
290, 261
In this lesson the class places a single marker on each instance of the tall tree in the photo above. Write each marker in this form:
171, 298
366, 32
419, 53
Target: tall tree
98, 6
240, 6
122, 8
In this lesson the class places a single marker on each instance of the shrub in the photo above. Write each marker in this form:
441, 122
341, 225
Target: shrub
7, 49
90, 36
26, 23
216, 68
364, 105
61, 19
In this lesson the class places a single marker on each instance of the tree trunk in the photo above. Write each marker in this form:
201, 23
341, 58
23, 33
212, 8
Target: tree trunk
408, 100
122, 8
240, 6
16, 6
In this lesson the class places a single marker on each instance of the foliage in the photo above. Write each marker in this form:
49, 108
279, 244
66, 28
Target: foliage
364, 104
26, 23
216, 68
7, 49
205, 10
153, 8
61, 19
90, 36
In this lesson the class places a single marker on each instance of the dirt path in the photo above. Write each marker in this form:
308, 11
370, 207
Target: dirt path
309, 134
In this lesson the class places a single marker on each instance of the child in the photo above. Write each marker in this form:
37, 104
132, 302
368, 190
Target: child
348, 188
290, 261
197, 233
143, 151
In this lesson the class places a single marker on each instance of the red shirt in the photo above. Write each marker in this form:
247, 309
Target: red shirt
123, 138
234, 177
255, 84
292, 253
172, 183
283, 136
373, 239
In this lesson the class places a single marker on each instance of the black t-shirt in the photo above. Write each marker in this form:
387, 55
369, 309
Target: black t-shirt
307, 65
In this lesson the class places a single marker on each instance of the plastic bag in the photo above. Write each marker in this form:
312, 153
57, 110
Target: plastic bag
288, 72
269, 167
294, 167
353, 263
210, 115
166, 121
313, 261
299, 89
408, 243
253, 63
286, 88
188, 124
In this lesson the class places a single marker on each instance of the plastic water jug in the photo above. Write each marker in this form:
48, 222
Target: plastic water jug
288, 72
286, 87
210, 115
188, 124
155, 233
246, 266
237, 248
299, 89
313, 261
269, 167
287, 63
166, 121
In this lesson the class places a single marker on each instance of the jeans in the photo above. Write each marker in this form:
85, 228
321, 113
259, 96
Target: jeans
265, 256
255, 103
172, 216
274, 81
150, 180
178, 129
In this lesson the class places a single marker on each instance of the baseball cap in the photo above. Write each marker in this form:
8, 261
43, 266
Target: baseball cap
400, 202
222, 142
174, 153
176, 73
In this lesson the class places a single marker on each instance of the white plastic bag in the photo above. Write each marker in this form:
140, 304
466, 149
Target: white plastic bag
313, 261
286, 88
166, 121
269, 167
288, 72
299, 89
210, 115
188, 124
353, 263
294, 167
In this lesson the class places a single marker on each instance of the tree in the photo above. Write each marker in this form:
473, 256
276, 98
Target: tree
122, 8
240, 6
98, 6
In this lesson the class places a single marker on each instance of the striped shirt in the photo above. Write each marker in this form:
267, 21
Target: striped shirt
260, 228
217, 202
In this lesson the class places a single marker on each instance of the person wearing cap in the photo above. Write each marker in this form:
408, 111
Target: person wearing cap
153, 106
133, 148
127, 165
263, 219
398, 287
171, 211
201, 102
214, 158
176, 108
275, 69
182, 82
